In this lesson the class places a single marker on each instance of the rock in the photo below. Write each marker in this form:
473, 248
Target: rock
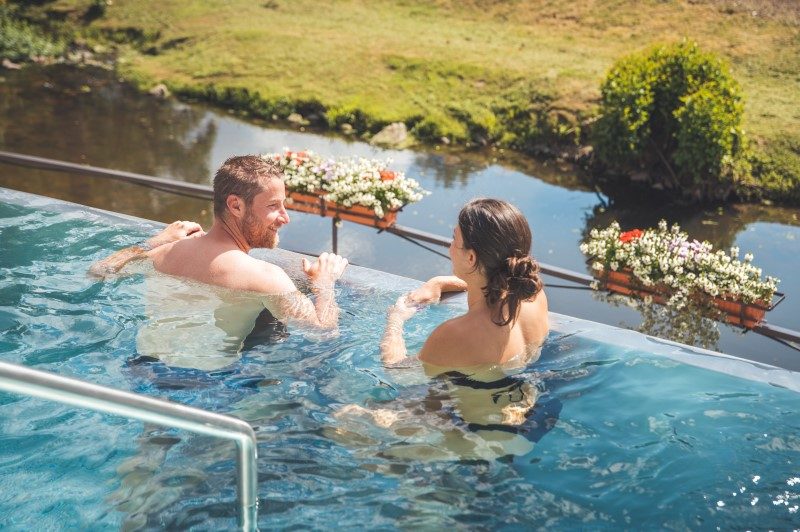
297, 118
542, 150
160, 91
393, 135
444, 140
584, 154
347, 129
10, 65
639, 177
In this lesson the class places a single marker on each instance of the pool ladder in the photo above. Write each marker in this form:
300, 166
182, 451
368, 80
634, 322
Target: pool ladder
26, 381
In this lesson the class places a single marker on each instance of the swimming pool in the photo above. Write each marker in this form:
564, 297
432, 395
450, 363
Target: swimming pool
627, 431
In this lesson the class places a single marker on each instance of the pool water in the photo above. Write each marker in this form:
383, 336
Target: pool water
626, 430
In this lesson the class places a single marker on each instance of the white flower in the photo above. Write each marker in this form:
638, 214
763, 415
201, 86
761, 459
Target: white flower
348, 181
668, 256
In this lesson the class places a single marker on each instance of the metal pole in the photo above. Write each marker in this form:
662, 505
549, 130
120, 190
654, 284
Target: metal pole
547, 269
335, 235
167, 185
26, 381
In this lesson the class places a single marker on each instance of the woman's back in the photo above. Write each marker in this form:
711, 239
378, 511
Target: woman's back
474, 338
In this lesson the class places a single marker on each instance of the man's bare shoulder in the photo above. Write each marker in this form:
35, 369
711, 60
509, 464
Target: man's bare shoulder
248, 273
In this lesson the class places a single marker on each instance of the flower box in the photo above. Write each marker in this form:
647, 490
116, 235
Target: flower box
355, 189
664, 264
315, 204
747, 315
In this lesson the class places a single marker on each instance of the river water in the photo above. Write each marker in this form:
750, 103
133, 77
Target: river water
89, 116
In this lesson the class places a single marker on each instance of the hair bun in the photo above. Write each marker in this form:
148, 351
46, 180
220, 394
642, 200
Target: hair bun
523, 276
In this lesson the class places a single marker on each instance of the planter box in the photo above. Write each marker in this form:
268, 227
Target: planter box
314, 204
747, 315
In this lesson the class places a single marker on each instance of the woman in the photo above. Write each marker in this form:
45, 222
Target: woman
507, 314
481, 404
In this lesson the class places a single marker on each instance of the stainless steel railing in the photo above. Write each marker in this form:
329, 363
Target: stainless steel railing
26, 381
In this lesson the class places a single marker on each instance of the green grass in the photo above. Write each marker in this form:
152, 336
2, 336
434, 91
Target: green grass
518, 73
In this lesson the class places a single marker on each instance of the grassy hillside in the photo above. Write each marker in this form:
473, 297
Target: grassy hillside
520, 73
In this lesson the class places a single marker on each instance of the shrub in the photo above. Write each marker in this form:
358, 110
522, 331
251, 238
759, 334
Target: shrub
675, 113
19, 41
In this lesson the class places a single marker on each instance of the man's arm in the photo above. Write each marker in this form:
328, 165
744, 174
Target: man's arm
116, 261
323, 312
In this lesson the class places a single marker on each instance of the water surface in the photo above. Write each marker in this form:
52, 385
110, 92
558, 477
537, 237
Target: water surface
621, 431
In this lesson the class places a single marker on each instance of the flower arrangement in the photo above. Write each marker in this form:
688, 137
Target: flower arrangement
665, 260
349, 181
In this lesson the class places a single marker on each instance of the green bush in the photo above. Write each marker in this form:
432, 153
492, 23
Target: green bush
675, 113
19, 41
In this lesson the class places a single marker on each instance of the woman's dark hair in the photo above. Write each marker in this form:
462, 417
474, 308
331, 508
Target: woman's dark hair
501, 238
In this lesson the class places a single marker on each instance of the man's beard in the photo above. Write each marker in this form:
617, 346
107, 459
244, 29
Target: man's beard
258, 235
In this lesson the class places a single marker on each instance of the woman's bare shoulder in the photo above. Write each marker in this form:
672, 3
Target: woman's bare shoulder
445, 343
534, 319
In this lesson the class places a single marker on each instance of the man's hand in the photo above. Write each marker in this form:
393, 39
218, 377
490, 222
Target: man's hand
326, 270
176, 231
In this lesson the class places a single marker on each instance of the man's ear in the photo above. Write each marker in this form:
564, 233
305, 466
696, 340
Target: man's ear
235, 205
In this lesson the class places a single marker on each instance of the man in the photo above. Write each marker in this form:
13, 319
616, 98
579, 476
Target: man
249, 197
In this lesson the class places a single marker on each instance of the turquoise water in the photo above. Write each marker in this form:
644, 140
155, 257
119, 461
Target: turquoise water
626, 432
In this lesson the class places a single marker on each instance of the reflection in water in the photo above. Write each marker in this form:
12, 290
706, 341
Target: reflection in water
88, 116
696, 324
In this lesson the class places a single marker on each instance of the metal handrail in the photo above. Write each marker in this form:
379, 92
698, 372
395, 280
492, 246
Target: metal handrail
26, 381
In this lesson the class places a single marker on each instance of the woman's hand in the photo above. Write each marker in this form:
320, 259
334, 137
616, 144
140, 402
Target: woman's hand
393, 346
430, 292
402, 309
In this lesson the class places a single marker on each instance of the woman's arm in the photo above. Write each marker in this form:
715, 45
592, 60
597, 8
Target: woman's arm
431, 290
393, 345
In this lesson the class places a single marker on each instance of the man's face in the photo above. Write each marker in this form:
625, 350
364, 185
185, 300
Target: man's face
265, 215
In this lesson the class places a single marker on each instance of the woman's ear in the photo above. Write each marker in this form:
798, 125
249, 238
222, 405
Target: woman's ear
472, 258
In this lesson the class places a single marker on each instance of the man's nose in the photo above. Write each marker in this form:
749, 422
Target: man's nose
285, 215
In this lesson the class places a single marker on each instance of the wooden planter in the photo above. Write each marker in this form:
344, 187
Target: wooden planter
747, 315
315, 204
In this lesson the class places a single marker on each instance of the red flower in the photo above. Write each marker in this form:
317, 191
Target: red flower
299, 155
633, 234
387, 175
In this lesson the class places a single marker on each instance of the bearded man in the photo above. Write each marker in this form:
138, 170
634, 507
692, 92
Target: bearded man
249, 210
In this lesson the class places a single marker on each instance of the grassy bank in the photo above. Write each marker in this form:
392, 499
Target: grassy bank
523, 74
